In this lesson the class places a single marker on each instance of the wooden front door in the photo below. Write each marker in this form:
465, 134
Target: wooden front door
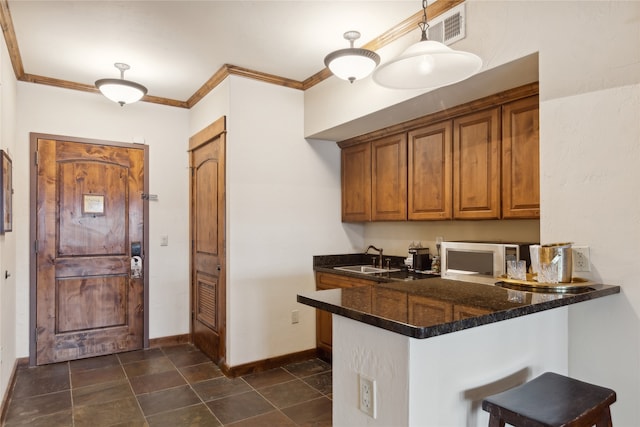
88, 213
208, 289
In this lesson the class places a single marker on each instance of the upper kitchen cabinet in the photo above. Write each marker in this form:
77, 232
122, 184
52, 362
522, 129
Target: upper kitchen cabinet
389, 178
429, 172
374, 180
520, 154
356, 183
478, 160
476, 165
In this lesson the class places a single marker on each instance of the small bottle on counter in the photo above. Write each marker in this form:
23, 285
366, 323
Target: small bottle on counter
409, 261
435, 265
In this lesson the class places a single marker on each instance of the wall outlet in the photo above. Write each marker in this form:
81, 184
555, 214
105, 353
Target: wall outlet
295, 317
367, 401
581, 259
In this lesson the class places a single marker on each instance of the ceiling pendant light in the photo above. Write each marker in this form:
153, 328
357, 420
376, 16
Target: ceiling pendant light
427, 64
352, 63
120, 90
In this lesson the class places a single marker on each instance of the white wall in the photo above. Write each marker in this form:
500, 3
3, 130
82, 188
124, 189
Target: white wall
441, 381
209, 109
395, 237
164, 129
603, 178
8, 349
589, 74
283, 207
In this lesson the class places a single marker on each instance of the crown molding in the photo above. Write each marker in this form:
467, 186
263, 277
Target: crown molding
10, 39
227, 69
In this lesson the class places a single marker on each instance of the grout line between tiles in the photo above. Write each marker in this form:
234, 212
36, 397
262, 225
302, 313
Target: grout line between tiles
190, 386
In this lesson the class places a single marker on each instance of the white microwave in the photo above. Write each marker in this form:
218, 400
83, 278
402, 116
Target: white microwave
480, 262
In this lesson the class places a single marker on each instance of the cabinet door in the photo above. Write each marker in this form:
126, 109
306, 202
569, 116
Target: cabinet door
476, 165
425, 311
389, 303
324, 329
521, 159
429, 172
356, 183
389, 178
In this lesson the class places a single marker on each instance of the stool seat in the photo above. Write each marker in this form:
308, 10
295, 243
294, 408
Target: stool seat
551, 400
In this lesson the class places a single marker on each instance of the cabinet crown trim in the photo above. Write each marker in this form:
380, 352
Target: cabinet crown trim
450, 113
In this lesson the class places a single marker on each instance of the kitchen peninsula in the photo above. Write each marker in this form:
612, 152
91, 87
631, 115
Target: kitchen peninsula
435, 348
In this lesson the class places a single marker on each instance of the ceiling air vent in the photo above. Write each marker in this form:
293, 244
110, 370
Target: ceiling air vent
449, 27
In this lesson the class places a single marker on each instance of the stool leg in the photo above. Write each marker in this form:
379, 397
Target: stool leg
496, 421
605, 418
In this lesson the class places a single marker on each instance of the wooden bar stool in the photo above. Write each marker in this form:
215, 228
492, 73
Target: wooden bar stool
551, 400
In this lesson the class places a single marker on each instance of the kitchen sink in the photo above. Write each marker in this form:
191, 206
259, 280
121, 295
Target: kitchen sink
365, 269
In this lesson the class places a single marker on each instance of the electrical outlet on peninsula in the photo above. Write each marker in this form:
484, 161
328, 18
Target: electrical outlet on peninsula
367, 395
581, 259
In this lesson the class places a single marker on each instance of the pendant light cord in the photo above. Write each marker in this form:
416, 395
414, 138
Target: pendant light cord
424, 25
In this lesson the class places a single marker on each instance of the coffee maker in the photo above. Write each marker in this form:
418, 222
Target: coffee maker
421, 259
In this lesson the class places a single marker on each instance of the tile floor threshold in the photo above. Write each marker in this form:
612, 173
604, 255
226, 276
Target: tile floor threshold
168, 387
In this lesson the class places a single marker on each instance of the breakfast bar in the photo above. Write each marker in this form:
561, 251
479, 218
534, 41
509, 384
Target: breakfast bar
434, 348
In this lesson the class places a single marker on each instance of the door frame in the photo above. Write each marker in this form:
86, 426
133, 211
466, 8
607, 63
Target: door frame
33, 172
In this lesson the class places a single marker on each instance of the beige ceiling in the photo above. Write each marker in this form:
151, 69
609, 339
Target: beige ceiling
175, 47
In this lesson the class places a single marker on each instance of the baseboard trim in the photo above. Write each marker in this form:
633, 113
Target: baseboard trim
21, 361
169, 341
266, 364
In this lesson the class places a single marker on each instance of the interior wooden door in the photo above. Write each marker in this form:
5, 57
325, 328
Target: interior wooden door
208, 291
89, 211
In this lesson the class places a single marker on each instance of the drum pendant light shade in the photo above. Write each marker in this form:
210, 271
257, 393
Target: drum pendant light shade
427, 64
120, 90
353, 63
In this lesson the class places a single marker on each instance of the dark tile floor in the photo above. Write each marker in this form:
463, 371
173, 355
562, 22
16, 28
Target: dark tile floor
169, 386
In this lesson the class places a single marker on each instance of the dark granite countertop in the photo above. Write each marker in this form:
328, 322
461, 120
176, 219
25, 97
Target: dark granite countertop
406, 307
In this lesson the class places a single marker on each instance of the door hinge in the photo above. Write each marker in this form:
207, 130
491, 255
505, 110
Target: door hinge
36, 158
35, 335
35, 246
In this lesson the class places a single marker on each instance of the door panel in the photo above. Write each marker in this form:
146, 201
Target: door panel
81, 303
208, 307
85, 233
89, 210
206, 175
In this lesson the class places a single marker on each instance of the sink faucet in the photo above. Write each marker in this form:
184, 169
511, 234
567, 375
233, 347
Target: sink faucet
379, 252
